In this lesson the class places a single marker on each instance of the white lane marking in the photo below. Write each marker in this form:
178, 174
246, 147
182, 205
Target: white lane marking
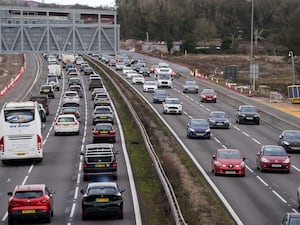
246, 134
255, 140
248, 168
296, 168
266, 184
72, 211
278, 195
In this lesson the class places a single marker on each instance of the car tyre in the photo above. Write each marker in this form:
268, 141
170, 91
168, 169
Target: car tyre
10, 221
48, 218
55, 134
84, 217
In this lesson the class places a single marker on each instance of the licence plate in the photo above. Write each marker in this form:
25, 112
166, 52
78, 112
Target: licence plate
200, 134
28, 211
102, 199
230, 172
249, 118
46, 91
21, 154
100, 165
219, 123
276, 165
103, 132
66, 125
102, 117
209, 98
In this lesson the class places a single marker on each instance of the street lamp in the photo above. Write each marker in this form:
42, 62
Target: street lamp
291, 54
251, 48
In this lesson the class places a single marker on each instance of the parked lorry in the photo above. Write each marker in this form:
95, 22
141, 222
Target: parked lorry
99, 160
68, 59
55, 69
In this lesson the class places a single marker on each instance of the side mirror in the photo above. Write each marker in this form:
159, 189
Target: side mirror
244, 158
280, 137
9, 193
258, 154
82, 191
214, 156
121, 191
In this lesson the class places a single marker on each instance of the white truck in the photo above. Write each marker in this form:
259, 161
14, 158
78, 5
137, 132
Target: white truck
55, 69
68, 59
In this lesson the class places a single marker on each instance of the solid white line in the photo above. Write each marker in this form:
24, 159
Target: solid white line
72, 210
256, 141
246, 134
30, 169
249, 169
76, 193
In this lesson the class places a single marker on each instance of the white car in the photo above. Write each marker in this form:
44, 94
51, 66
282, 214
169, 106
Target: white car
66, 124
150, 86
54, 82
172, 105
70, 98
130, 74
138, 78
126, 69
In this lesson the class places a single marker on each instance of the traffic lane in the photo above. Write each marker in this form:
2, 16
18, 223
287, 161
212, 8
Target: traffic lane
208, 158
122, 178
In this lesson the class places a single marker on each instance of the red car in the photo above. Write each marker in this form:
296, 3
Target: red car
104, 132
29, 202
273, 158
228, 162
208, 95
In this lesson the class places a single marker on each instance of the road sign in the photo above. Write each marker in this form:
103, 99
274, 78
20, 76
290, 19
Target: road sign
254, 70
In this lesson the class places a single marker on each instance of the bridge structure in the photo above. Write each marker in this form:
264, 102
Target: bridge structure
58, 30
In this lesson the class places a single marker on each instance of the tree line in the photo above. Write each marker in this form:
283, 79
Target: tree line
275, 22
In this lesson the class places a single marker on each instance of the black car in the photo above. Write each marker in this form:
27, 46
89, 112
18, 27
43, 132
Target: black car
42, 99
159, 96
47, 90
102, 199
198, 128
290, 140
145, 71
218, 119
247, 114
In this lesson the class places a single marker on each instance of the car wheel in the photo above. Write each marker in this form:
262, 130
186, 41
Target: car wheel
208, 137
84, 217
10, 221
257, 123
85, 178
48, 218
113, 140
55, 134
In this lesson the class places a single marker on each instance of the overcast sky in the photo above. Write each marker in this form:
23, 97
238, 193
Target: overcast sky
92, 3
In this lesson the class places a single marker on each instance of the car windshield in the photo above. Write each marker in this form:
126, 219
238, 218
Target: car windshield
208, 91
292, 135
28, 194
191, 83
70, 94
69, 110
164, 76
229, 154
274, 151
172, 101
294, 221
102, 111
102, 191
218, 115
248, 109
199, 123
19, 116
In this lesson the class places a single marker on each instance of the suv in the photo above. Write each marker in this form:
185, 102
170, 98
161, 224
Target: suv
42, 99
99, 160
30, 201
247, 114
172, 105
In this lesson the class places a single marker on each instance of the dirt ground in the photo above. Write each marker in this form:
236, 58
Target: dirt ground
275, 72
9, 66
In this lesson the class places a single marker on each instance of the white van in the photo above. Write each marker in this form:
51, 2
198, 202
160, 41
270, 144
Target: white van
21, 132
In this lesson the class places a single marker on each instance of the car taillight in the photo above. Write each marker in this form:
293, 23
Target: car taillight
96, 132
2, 144
84, 164
47, 103
56, 123
114, 163
44, 201
39, 142
111, 132
75, 123
13, 202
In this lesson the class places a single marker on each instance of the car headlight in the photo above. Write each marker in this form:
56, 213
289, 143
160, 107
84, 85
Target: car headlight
255, 115
264, 160
286, 161
192, 130
212, 121
207, 130
217, 163
242, 164
286, 143
243, 115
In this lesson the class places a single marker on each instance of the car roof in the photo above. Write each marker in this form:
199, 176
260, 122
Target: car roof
28, 187
66, 115
228, 149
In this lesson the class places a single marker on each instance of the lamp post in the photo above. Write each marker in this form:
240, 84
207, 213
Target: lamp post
291, 54
147, 37
251, 47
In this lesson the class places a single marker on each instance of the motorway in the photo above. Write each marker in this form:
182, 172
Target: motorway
61, 168
257, 198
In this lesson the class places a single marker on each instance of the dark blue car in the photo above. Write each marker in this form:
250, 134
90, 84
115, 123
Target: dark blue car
198, 128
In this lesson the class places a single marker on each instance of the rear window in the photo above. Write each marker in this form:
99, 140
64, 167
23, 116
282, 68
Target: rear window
105, 159
66, 119
28, 194
70, 94
19, 116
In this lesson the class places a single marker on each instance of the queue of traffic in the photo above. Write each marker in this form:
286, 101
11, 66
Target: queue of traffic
99, 157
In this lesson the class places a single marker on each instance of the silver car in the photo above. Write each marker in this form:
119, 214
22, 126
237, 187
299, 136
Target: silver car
101, 99
102, 114
218, 119
190, 86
